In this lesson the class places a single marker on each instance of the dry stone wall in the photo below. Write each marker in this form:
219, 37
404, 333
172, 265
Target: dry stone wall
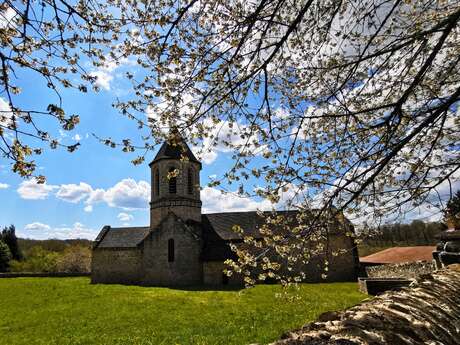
428, 312
406, 270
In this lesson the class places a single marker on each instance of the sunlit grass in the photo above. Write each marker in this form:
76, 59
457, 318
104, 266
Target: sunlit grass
71, 311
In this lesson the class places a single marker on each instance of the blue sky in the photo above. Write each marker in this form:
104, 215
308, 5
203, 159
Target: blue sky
95, 185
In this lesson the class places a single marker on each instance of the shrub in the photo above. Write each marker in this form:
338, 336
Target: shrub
75, 259
38, 260
5, 257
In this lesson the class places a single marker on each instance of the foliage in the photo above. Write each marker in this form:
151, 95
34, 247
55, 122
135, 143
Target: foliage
8, 236
38, 260
77, 312
5, 257
351, 104
415, 233
75, 259
53, 245
452, 212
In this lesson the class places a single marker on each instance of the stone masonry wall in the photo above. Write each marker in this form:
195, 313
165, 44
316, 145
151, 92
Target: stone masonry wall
185, 210
186, 269
428, 312
343, 267
213, 275
116, 265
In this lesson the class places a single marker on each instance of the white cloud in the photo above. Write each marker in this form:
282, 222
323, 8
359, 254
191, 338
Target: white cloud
216, 201
5, 113
128, 194
105, 74
6, 18
238, 135
74, 193
76, 137
32, 190
38, 230
4, 186
37, 226
88, 208
103, 79
125, 217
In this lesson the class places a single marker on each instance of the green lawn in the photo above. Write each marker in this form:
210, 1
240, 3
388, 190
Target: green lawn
71, 311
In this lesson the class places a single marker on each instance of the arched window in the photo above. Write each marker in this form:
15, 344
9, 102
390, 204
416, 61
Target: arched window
170, 250
172, 182
190, 181
157, 182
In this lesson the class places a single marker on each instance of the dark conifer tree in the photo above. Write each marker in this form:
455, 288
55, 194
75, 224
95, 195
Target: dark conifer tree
8, 236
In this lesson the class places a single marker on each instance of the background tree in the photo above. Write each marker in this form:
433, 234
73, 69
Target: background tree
8, 236
452, 212
5, 257
351, 104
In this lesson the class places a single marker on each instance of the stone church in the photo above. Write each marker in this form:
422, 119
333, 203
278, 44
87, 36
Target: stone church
182, 246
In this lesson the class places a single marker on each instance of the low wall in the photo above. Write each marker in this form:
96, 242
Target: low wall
426, 313
44, 274
407, 270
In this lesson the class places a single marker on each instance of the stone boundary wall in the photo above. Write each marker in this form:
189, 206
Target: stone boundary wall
43, 274
427, 312
408, 270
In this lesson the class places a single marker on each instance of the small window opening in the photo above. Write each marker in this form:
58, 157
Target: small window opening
172, 182
171, 250
157, 182
190, 181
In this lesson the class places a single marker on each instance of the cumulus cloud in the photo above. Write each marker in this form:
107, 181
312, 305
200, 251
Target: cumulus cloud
104, 78
222, 133
5, 113
128, 194
32, 190
125, 217
105, 74
74, 193
88, 208
37, 226
4, 185
40, 231
216, 201
7, 18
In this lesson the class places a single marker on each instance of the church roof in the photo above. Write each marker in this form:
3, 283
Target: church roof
170, 151
121, 237
222, 223
216, 229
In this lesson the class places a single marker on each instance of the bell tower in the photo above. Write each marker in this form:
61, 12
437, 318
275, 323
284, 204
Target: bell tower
175, 177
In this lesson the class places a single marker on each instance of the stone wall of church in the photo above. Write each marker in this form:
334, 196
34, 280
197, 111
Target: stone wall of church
116, 265
186, 269
213, 275
187, 206
340, 268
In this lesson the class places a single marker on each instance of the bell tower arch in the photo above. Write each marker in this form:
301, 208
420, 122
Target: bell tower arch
175, 182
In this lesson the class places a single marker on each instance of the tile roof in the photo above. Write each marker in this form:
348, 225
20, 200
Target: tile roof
398, 255
216, 229
122, 237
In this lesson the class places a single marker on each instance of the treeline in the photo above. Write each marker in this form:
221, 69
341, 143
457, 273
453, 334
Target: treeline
26, 255
416, 233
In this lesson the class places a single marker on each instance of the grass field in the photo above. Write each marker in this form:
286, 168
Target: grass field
71, 311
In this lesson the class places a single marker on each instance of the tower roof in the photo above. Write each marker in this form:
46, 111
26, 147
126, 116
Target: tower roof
175, 149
